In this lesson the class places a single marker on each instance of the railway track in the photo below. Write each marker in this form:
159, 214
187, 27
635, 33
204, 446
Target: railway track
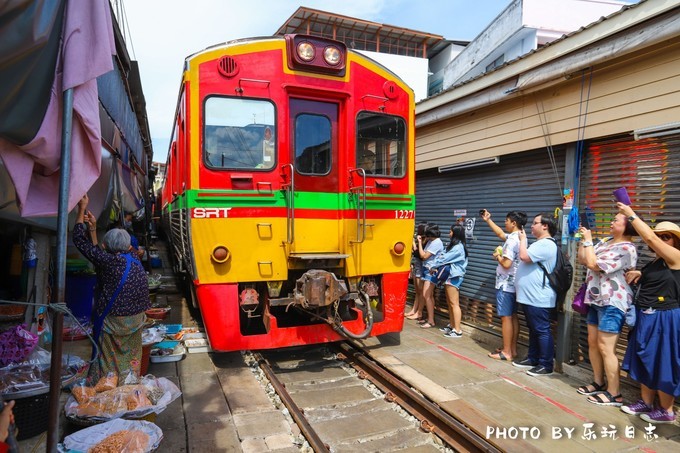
335, 413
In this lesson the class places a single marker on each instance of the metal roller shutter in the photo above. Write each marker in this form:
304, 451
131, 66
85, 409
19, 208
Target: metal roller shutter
650, 171
524, 182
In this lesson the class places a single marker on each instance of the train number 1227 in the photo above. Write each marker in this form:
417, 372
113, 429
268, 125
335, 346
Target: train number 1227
404, 214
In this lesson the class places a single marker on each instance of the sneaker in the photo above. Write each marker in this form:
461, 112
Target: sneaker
446, 329
453, 334
526, 363
658, 416
638, 408
539, 371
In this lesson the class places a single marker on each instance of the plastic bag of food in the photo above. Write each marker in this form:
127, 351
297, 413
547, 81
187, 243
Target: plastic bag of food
137, 399
82, 392
16, 344
108, 382
138, 436
153, 389
121, 442
129, 377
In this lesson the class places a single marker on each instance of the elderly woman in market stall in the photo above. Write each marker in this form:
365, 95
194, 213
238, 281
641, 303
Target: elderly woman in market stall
121, 298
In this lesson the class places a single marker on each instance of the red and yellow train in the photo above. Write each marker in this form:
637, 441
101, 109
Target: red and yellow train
289, 192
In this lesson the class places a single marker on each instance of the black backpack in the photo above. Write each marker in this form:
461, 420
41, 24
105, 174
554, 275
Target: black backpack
561, 277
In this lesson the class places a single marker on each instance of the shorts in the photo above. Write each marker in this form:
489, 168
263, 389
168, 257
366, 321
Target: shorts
427, 277
454, 281
608, 318
506, 303
417, 269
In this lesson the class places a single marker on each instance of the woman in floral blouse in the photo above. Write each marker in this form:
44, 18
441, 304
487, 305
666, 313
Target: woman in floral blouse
121, 298
609, 297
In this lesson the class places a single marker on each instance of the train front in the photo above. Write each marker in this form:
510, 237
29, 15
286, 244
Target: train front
297, 192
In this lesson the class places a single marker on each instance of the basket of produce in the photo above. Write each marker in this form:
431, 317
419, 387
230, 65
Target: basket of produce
154, 281
115, 436
158, 312
12, 312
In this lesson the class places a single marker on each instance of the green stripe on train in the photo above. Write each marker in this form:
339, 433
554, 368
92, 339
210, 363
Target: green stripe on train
303, 200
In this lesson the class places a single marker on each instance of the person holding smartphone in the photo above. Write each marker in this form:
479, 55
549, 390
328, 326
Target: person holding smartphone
507, 257
608, 297
653, 354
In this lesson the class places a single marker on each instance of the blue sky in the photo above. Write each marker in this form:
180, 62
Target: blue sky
161, 33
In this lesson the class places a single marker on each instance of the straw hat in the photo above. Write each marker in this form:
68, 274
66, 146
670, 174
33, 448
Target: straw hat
667, 227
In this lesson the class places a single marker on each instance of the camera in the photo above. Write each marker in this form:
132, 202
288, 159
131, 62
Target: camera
481, 212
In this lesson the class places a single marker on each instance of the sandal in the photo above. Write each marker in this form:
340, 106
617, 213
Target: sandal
606, 399
499, 356
586, 389
426, 325
421, 320
414, 316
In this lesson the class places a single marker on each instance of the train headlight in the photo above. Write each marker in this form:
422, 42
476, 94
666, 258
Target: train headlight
398, 248
332, 55
220, 254
305, 51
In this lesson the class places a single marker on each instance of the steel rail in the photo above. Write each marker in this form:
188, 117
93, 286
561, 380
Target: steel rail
298, 414
433, 419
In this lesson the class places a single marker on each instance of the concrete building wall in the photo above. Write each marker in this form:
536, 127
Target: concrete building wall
507, 36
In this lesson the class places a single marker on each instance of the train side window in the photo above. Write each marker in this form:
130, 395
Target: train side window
312, 144
381, 144
239, 133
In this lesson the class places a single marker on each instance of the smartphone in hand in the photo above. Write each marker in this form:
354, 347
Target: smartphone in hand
621, 195
585, 223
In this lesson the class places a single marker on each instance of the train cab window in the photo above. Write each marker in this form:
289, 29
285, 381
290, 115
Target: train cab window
312, 144
381, 144
239, 134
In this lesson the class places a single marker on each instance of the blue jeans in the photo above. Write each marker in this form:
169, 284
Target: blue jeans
541, 344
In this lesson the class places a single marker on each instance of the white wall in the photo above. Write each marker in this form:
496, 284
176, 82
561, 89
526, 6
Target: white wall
553, 18
412, 70
566, 15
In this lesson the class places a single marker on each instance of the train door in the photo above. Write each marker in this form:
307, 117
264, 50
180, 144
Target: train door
315, 158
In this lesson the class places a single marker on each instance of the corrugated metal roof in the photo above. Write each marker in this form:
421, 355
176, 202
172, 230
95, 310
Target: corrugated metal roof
362, 34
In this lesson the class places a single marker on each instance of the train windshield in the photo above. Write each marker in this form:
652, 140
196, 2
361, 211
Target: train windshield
239, 133
381, 144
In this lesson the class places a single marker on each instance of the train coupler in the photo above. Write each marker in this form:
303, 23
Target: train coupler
318, 288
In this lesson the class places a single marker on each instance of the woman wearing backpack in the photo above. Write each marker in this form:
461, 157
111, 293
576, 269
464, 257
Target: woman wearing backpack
456, 257
609, 297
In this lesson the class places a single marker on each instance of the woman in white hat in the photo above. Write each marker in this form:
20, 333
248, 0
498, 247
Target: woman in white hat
653, 354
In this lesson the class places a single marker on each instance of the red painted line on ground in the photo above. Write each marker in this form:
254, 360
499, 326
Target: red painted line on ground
460, 356
545, 398
528, 389
512, 381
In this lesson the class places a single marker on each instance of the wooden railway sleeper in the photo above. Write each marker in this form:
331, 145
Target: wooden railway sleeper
451, 430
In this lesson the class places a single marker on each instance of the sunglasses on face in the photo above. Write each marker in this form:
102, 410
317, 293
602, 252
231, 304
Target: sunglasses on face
665, 237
